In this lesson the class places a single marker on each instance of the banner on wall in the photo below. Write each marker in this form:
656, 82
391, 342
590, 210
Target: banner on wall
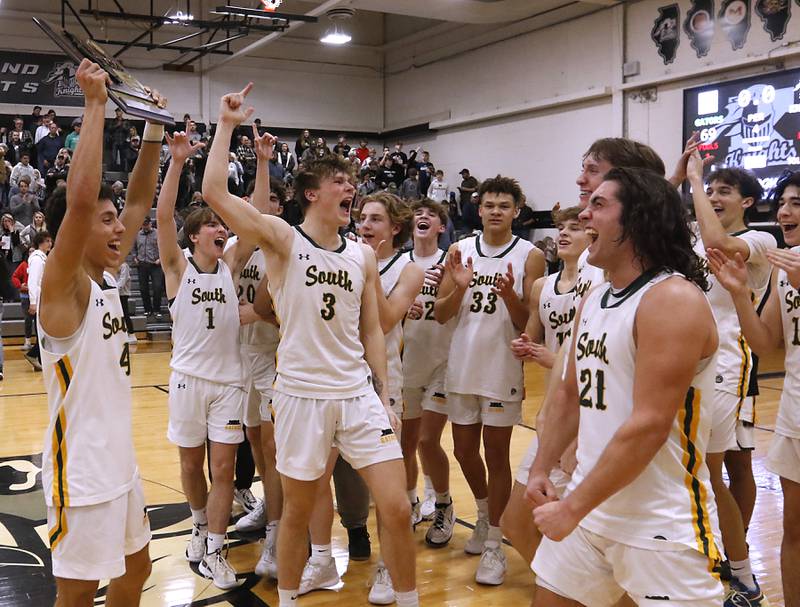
699, 25
38, 79
734, 18
775, 15
665, 32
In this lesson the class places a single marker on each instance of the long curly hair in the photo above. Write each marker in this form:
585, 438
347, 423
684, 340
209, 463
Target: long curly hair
654, 219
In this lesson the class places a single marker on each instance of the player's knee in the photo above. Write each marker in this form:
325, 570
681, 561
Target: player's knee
464, 453
138, 568
396, 513
191, 466
76, 595
497, 457
791, 528
222, 471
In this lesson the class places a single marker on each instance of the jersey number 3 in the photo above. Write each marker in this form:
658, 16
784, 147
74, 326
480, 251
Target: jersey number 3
586, 388
328, 312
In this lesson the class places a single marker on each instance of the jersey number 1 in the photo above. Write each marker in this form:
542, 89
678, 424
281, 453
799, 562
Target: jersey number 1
210, 312
600, 389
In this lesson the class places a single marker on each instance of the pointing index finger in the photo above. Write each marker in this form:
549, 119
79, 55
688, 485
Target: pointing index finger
246, 89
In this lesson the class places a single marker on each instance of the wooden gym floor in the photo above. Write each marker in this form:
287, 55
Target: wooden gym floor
445, 576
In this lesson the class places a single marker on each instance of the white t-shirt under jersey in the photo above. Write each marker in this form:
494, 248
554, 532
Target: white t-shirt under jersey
734, 358
205, 326
426, 343
88, 456
670, 505
788, 421
480, 361
389, 270
318, 305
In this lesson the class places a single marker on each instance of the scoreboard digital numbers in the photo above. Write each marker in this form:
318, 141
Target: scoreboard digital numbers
752, 123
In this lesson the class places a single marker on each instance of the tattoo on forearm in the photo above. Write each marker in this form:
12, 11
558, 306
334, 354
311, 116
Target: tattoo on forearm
377, 384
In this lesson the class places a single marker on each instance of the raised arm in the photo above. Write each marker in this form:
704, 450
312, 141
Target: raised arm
270, 233
455, 283
763, 333
65, 286
142, 182
173, 261
391, 310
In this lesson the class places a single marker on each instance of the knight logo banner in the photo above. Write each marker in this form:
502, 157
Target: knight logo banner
38, 79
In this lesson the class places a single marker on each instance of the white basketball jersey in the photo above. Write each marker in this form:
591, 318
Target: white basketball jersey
426, 342
788, 420
88, 455
258, 336
588, 276
556, 312
671, 503
389, 270
320, 354
205, 325
480, 361
734, 358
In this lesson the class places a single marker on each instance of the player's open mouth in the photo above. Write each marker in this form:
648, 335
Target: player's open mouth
788, 227
591, 233
423, 225
114, 245
584, 194
564, 243
718, 210
219, 242
345, 204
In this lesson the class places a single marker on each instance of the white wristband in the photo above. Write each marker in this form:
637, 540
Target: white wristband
153, 133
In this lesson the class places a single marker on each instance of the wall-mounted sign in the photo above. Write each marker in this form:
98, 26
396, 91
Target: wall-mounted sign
699, 25
775, 15
665, 32
734, 19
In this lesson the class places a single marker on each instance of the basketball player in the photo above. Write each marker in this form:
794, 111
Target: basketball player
425, 350
638, 516
259, 342
489, 297
206, 384
778, 322
385, 225
324, 291
552, 310
97, 522
720, 210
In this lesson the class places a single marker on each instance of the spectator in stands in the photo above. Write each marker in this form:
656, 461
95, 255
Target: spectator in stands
354, 161
235, 172
390, 173
35, 117
16, 148
286, 159
5, 175
48, 147
132, 152
247, 158
192, 132
71, 141
470, 215
151, 276
362, 151
524, 223
42, 130
118, 195
24, 135
439, 190
58, 171
468, 187
310, 152
117, 134
342, 148
37, 225
367, 184
23, 204
426, 170
302, 144
399, 153
20, 282
123, 276
22, 169
386, 159
409, 190
322, 147
42, 243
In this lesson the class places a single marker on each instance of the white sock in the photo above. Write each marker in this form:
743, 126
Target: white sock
321, 551
494, 538
214, 542
483, 508
287, 598
407, 599
199, 517
443, 498
412, 496
741, 571
428, 485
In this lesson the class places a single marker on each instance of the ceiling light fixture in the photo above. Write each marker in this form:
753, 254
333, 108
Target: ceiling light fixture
337, 34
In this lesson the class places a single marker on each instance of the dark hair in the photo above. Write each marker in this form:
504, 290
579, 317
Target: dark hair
787, 179
621, 152
502, 185
39, 238
312, 174
436, 207
560, 215
278, 188
55, 207
743, 180
399, 215
653, 218
195, 221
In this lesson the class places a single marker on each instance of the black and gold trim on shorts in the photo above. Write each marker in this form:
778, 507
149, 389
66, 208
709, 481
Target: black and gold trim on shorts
59, 530
60, 490
692, 459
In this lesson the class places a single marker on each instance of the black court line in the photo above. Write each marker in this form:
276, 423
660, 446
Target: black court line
757, 427
45, 393
471, 526
160, 388
527, 426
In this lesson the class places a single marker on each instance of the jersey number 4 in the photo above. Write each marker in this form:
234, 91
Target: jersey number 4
328, 312
125, 359
586, 389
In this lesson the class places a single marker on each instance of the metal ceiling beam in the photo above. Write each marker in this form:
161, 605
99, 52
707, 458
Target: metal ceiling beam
260, 14
199, 23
